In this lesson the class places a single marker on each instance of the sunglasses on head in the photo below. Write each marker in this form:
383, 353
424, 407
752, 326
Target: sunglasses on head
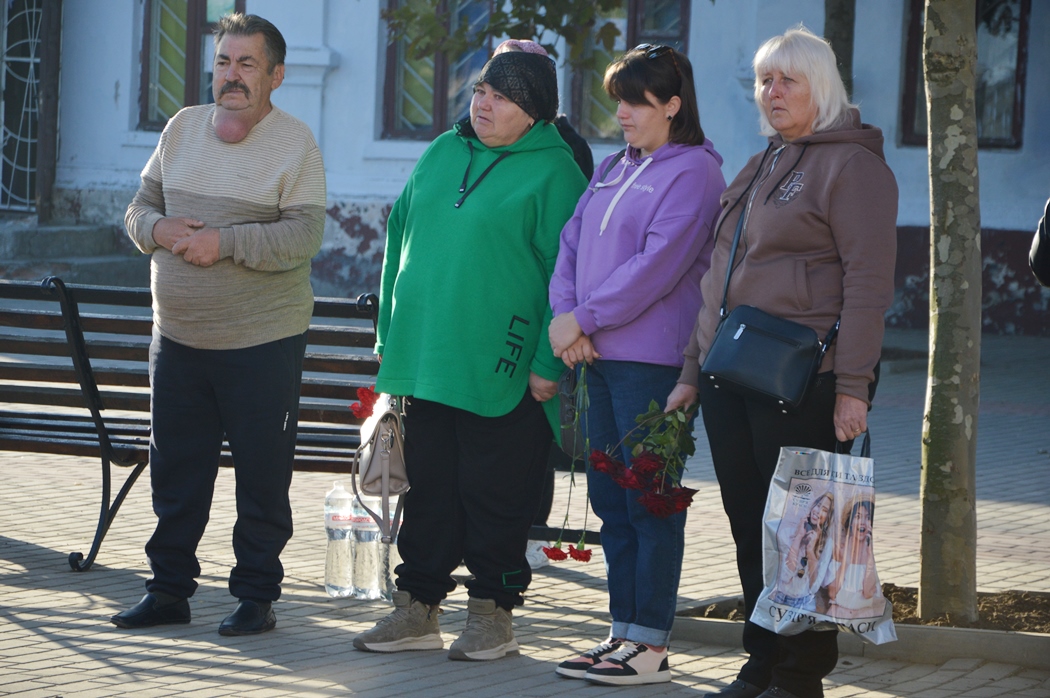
653, 51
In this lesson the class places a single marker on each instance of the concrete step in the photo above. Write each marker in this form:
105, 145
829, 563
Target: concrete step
62, 241
104, 270
83, 254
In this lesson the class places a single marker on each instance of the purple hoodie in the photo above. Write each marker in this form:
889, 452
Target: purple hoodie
632, 255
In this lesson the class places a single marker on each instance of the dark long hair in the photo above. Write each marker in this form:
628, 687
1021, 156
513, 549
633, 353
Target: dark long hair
667, 74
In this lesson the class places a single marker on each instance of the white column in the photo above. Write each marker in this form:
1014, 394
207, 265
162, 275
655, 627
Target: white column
309, 59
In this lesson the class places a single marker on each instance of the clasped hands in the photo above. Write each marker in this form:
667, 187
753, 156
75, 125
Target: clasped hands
189, 238
569, 342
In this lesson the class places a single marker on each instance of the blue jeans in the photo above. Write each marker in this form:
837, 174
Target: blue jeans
643, 553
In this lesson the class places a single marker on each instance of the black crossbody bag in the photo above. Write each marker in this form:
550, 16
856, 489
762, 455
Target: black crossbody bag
760, 355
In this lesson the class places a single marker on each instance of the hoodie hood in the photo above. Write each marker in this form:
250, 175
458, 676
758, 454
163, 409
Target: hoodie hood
483, 159
541, 136
852, 130
634, 161
672, 150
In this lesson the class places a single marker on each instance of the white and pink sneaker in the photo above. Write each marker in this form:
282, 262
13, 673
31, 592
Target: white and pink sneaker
633, 664
577, 668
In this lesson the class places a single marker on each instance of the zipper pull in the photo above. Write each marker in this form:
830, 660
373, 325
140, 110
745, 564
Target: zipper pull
739, 331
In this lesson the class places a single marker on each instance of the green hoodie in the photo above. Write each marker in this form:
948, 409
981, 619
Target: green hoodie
463, 310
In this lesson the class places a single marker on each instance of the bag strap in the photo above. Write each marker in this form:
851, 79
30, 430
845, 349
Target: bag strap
722, 312
611, 165
739, 226
865, 445
387, 530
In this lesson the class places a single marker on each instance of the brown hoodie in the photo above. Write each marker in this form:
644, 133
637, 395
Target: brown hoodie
819, 242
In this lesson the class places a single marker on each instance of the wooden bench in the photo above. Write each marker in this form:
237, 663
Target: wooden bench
68, 353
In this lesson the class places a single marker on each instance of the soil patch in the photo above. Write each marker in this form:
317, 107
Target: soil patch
1026, 611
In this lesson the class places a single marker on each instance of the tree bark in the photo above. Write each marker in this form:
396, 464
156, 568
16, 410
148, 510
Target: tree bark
948, 557
839, 22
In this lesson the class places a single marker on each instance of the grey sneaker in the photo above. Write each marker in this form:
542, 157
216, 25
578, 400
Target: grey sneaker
412, 625
488, 634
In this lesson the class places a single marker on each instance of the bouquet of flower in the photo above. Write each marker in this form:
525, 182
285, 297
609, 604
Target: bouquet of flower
657, 462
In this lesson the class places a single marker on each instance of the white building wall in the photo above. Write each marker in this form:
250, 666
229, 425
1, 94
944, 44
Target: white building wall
335, 83
98, 107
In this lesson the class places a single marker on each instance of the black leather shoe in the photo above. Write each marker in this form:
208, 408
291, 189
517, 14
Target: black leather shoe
738, 689
777, 692
154, 609
249, 618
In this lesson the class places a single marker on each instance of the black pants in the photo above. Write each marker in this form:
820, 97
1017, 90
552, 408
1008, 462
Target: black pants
251, 396
746, 437
556, 458
476, 487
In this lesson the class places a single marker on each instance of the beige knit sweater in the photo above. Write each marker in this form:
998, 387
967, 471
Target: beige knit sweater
266, 195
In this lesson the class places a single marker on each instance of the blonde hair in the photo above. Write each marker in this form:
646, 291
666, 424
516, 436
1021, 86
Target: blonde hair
798, 51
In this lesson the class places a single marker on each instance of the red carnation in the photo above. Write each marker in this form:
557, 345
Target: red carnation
604, 463
579, 554
664, 504
647, 464
659, 505
629, 480
554, 553
367, 397
681, 497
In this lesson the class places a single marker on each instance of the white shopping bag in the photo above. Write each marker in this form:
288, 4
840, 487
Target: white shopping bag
818, 554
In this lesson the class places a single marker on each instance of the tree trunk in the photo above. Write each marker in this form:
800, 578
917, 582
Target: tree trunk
839, 21
948, 558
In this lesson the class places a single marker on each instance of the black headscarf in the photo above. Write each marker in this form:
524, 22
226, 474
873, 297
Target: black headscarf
527, 79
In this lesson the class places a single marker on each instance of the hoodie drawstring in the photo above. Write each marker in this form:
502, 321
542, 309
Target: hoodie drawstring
466, 175
599, 185
620, 193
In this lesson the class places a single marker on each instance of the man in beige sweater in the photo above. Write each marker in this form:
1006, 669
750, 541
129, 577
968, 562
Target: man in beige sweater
231, 209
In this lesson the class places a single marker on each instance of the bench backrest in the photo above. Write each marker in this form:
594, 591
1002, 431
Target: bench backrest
37, 368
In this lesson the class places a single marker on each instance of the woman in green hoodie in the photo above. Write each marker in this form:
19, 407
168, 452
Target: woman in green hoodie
471, 246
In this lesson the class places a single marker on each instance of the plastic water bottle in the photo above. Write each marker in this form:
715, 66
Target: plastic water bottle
373, 566
338, 563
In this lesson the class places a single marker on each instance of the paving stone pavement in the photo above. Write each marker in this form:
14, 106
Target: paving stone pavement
55, 638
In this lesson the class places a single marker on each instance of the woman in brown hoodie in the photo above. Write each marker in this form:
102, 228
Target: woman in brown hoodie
818, 244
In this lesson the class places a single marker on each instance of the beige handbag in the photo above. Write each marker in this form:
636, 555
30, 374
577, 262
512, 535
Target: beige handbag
379, 465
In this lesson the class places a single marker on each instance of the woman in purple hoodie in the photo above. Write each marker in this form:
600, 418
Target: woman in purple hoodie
625, 294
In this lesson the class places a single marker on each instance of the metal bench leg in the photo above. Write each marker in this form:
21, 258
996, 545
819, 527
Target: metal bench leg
106, 515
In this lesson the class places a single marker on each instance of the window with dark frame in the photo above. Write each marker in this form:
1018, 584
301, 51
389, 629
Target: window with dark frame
177, 56
424, 98
1002, 58
661, 22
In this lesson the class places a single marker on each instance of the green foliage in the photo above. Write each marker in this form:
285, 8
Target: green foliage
427, 25
668, 436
